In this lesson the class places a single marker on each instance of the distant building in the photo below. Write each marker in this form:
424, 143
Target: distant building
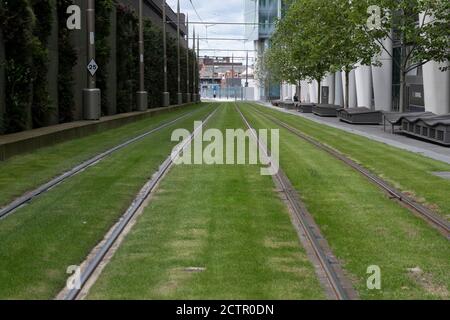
263, 14
220, 74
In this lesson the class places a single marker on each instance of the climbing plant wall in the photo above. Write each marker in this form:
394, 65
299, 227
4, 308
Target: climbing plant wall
28, 28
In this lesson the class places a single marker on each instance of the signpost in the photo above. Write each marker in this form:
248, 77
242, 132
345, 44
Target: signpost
91, 95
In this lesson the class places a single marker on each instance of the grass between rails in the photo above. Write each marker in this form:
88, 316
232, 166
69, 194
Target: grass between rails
26, 172
61, 227
224, 218
405, 170
364, 227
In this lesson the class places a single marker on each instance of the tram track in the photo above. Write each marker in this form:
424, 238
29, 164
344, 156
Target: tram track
98, 258
31, 195
337, 285
394, 194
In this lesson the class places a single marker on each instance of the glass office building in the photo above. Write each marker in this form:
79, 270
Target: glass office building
262, 14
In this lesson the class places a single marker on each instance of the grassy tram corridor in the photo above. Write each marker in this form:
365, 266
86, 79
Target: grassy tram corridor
25, 172
405, 170
362, 226
225, 219
41, 240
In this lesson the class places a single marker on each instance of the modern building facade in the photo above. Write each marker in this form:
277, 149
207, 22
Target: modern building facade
378, 87
260, 16
220, 76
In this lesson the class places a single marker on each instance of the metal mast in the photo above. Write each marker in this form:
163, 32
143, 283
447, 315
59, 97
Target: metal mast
179, 94
91, 95
166, 95
142, 96
188, 95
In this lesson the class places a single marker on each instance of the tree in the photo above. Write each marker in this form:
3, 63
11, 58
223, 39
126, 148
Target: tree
422, 28
320, 36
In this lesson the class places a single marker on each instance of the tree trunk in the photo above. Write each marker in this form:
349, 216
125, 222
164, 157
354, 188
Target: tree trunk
403, 105
318, 90
347, 89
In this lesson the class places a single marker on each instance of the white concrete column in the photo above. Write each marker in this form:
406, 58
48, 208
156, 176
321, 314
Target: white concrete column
363, 75
329, 82
436, 86
304, 92
338, 90
313, 92
382, 78
352, 103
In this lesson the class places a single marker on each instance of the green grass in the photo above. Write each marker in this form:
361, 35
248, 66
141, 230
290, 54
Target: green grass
25, 172
227, 219
407, 171
364, 227
61, 227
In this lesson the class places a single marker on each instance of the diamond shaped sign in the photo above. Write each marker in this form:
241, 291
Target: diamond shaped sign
92, 67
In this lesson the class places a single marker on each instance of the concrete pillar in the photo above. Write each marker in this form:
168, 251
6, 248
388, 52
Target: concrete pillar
78, 38
338, 90
313, 92
53, 68
2, 82
305, 97
382, 78
329, 82
111, 91
352, 103
363, 75
436, 84
436, 88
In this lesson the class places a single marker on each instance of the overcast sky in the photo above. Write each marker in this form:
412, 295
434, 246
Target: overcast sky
217, 11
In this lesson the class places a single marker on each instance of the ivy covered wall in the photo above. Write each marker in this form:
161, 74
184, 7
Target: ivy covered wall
42, 63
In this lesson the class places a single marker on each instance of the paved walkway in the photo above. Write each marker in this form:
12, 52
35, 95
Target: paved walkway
377, 133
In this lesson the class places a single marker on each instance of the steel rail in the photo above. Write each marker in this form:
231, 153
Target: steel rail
28, 197
137, 204
434, 219
300, 213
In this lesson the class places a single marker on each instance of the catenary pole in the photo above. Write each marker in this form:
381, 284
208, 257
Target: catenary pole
194, 94
198, 67
166, 95
91, 95
179, 94
142, 96
188, 95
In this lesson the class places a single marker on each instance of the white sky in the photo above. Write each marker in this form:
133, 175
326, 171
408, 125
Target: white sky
217, 11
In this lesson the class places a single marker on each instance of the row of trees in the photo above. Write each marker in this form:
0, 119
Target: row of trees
317, 37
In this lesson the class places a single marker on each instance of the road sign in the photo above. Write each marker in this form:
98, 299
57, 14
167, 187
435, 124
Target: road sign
92, 67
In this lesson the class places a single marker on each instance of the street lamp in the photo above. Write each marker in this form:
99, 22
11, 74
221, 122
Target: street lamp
91, 95
142, 95
166, 94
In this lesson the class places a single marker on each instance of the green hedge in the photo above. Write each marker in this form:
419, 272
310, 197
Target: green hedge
27, 25
67, 59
